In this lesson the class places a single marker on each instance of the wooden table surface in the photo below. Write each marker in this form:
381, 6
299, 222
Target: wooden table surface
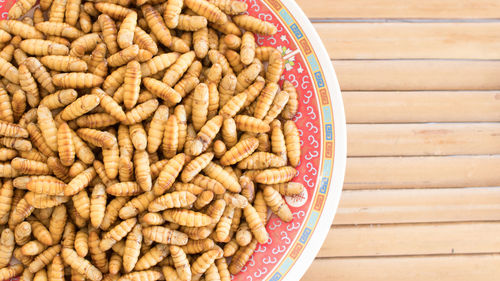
421, 87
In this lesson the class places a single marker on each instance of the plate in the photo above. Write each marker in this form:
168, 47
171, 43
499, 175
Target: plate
293, 246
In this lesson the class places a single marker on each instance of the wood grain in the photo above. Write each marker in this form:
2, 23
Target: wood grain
400, 63
423, 139
442, 268
407, 75
456, 106
411, 40
447, 9
418, 205
422, 172
412, 239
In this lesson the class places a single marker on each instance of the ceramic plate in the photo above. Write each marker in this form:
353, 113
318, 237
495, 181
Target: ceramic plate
292, 246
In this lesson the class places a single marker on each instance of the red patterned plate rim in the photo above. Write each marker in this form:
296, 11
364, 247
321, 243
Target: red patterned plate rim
293, 246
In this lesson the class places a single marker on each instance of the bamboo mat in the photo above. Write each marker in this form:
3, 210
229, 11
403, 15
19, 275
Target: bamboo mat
421, 87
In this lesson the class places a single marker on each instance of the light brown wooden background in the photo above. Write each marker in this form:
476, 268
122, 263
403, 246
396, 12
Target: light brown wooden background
421, 87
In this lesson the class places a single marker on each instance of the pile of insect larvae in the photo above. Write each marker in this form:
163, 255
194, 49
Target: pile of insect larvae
140, 140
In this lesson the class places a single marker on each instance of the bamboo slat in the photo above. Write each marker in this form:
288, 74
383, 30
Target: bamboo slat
412, 239
422, 172
411, 40
447, 9
423, 139
407, 75
373, 107
442, 268
418, 205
